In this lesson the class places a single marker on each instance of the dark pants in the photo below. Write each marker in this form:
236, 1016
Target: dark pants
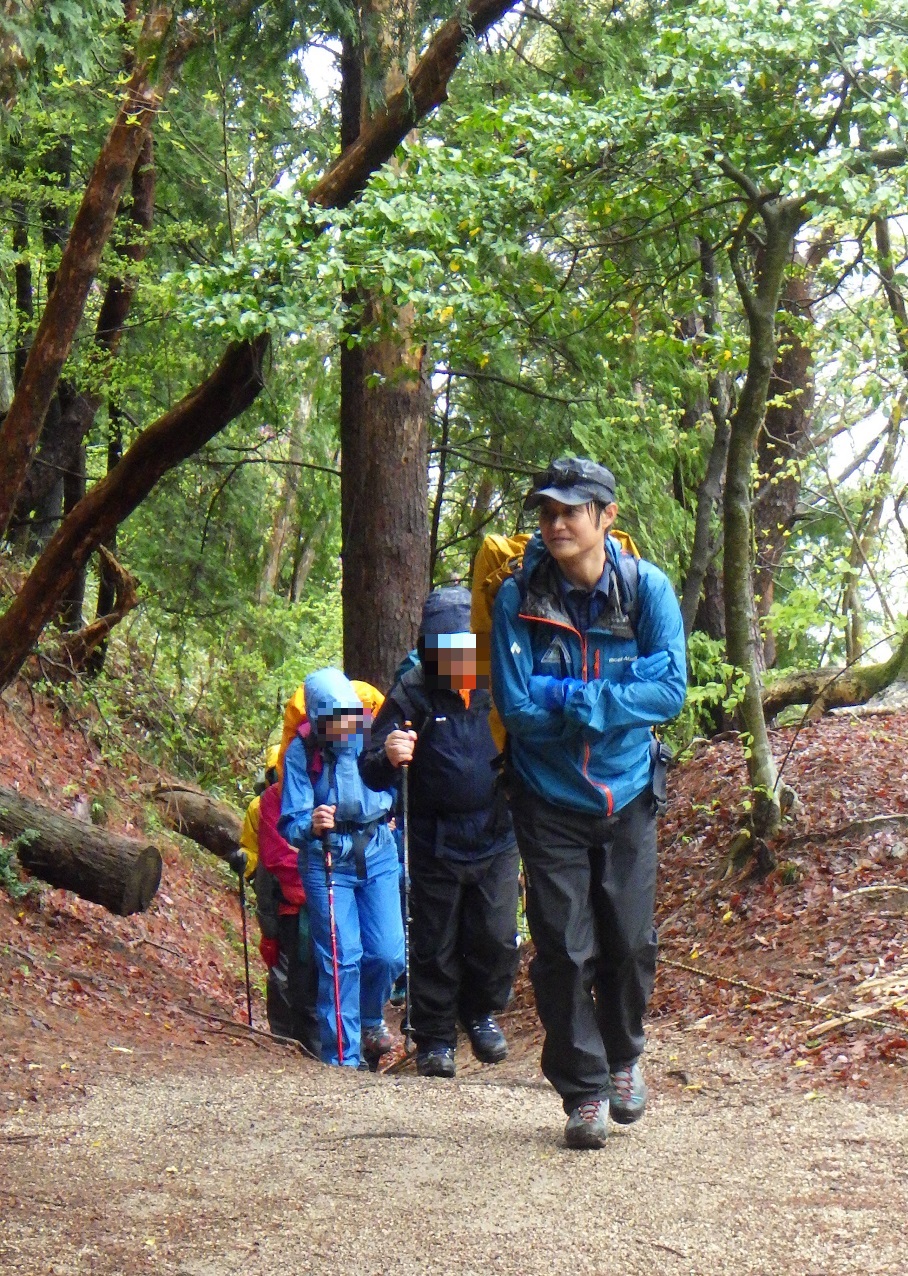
292, 987
463, 941
591, 885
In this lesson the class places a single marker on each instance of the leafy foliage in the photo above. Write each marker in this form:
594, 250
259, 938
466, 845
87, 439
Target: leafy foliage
548, 230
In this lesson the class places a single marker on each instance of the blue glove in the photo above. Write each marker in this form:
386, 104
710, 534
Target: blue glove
551, 693
649, 668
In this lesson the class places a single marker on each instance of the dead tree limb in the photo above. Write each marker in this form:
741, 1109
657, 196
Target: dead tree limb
825, 689
74, 651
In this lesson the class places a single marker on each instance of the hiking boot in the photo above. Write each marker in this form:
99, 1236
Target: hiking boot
375, 1041
487, 1039
627, 1102
399, 992
587, 1125
436, 1060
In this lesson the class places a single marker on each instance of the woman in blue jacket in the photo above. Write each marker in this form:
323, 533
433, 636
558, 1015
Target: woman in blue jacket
325, 798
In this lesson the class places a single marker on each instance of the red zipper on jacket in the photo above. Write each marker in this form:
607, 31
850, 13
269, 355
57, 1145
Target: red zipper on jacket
557, 624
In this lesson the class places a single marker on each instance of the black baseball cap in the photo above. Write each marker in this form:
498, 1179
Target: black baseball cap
573, 481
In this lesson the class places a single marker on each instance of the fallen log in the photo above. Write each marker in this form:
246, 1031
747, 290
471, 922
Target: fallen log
213, 824
120, 873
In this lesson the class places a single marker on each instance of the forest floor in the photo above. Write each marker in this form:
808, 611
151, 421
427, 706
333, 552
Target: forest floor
144, 1129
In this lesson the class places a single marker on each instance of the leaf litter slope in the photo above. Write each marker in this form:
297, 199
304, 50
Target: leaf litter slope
83, 992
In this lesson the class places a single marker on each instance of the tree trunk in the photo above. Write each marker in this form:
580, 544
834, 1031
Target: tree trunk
784, 441
78, 266
306, 550
73, 601
709, 493
58, 449
384, 506
385, 404
108, 585
176, 435
761, 304
212, 824
119, 873
422, 92
25, 297
76, 652
236, 382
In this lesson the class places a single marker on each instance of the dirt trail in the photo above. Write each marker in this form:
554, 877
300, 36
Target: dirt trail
268, 1165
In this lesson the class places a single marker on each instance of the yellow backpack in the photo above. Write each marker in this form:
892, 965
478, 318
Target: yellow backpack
498, 558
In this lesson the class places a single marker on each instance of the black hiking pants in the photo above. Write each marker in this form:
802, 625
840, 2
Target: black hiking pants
591, 886
463, 941
292, 987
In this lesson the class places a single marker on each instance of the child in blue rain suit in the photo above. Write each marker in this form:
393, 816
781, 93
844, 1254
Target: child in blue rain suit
323, 795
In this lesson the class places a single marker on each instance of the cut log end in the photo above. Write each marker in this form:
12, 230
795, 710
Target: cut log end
142, 884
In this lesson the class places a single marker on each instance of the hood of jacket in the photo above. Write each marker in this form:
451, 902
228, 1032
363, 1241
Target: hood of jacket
327, 691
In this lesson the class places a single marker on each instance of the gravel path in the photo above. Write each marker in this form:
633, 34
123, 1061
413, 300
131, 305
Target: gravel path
269, 1166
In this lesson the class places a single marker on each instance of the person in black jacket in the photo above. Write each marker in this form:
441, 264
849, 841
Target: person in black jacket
463, 857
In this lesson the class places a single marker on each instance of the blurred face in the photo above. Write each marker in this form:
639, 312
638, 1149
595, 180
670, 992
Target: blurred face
569, 531
341, 727
451, 659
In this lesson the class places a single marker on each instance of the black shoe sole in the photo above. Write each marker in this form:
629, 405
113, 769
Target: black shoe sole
623, 1117
486, 1056
582, 1141
447, 1075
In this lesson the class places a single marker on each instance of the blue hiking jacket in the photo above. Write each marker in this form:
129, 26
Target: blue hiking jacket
595, 754
360, 810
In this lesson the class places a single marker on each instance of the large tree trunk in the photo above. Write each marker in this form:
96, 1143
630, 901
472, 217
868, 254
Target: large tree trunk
384, 506
119, 873
236, 381
385, 404
780, 222
79, 264
203, 819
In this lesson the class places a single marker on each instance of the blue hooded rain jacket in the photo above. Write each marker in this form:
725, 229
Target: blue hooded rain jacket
368, 936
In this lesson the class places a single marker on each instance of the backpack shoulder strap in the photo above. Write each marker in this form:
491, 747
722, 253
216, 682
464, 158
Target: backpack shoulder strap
629, 579
315, 759
410, 694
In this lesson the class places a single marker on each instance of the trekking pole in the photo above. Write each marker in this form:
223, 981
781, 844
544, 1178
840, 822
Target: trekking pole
245, 941
406, 1027
332, 927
